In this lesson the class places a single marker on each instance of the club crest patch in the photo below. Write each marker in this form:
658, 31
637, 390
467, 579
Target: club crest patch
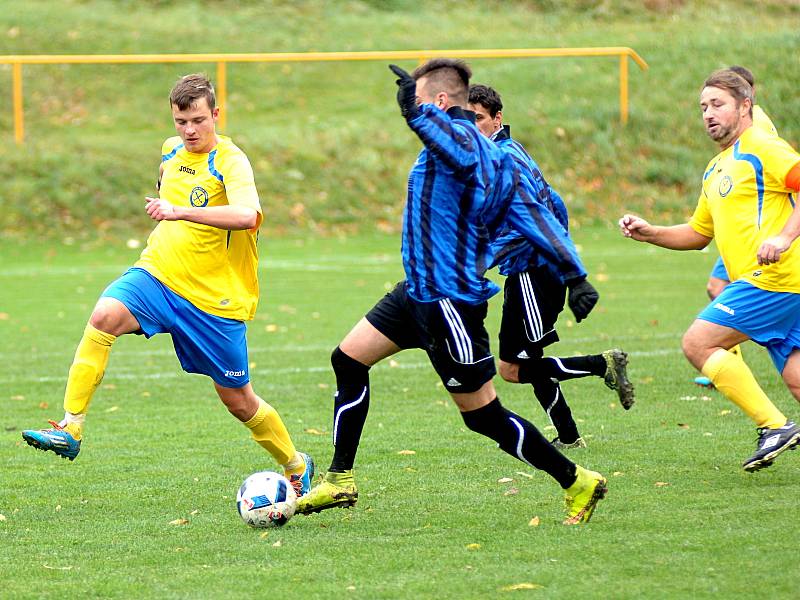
725, 186
198, 197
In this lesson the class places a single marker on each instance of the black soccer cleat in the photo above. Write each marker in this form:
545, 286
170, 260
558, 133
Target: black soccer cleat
771, 443
616, 376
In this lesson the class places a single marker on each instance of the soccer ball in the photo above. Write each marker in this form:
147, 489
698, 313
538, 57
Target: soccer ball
266, 499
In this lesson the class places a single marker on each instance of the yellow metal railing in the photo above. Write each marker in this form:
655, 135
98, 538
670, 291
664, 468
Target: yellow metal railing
222, 60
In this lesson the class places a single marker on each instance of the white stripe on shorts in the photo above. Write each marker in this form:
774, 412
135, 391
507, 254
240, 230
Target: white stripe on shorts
534, 317
460, 335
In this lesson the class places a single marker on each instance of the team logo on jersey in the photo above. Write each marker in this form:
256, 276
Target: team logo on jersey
198, 197
725, 186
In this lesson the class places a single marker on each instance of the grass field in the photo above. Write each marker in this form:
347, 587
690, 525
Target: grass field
681, 520
147, 510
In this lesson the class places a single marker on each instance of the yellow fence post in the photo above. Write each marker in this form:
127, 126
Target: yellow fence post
19, 124
222, 61
623, 88
222, 94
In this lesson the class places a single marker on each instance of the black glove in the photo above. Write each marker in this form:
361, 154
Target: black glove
406, 93
582, 298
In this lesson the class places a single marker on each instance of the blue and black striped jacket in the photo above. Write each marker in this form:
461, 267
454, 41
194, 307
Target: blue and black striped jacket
462, 190
512, 251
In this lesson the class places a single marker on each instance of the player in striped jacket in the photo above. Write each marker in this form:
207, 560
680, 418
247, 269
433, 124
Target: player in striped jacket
535, 295
460, 190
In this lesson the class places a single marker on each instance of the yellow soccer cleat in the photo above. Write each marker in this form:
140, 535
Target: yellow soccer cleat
583, 495
335, 489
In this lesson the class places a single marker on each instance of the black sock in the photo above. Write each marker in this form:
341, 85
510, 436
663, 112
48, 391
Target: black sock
549, 395
562, 369
350, 407
520, 439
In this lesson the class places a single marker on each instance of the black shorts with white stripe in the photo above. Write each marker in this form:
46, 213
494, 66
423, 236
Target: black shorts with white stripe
451, 332
533, 299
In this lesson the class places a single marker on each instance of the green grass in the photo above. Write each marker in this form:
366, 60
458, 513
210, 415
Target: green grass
331, 155
160, 446
329, 150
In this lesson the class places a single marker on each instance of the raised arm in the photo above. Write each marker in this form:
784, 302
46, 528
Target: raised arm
448, 142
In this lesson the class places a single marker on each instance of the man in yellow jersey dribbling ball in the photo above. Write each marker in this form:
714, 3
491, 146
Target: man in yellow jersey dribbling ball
196, 280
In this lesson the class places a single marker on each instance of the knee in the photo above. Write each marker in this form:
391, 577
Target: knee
509, 371
242, 403
484, 420
714, 287
103, 318
111, 316
693, 349
344, 365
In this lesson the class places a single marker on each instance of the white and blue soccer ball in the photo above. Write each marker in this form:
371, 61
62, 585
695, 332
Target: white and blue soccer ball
266, 499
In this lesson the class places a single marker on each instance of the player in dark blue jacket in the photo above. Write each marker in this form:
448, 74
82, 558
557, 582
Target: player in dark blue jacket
461, 189
535, 294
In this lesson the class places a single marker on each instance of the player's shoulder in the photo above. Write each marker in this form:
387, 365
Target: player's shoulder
762, 121
226, 145
227, 152
761, 141
170, 147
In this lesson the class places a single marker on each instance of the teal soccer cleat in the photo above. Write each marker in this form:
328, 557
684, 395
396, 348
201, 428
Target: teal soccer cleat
704, 382
302, 482
56, 439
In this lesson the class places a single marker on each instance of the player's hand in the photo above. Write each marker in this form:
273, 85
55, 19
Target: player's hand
406, 93
159, 210
635, 228
771, 249
582, 298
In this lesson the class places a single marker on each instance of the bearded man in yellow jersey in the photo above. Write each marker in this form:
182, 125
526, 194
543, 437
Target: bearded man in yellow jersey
748, 204
196, 280
719, 278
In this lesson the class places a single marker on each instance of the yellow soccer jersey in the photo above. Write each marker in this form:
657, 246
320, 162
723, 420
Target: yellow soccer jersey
744, 201
762, 120
215, 269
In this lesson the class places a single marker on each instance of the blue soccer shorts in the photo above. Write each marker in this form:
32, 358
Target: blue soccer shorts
771, 319
719, 271
204, 343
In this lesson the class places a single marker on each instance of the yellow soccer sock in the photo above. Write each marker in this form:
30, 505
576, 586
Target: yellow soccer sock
270, 432
87, 370
73, 424
295, 466
74, 429
737, 350
731, 376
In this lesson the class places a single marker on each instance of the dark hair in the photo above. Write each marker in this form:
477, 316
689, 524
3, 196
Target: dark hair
449, 75
189, 89
744, 73
486, 97
733, 83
